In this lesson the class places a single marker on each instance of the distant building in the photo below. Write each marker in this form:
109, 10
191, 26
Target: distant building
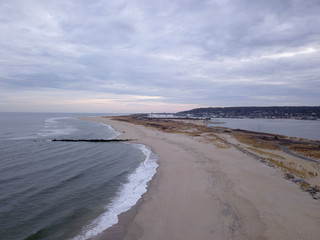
161, 115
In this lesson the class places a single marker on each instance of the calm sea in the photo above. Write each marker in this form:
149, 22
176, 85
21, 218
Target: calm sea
289, 127
65, 190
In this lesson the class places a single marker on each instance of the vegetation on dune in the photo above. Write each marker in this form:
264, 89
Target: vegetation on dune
305, 149
265, 152
290, 168
257, 141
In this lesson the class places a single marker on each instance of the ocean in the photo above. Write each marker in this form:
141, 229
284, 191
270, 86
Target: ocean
66, 190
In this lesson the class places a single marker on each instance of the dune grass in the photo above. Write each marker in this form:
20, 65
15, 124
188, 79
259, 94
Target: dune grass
308, 150
256, 141
265, 153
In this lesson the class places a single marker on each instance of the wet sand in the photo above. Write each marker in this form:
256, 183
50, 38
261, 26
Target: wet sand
201, 191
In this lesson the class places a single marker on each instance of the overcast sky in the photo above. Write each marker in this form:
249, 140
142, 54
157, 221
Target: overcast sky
159, 55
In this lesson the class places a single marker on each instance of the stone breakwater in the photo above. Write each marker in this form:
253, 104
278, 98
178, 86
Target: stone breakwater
91, 140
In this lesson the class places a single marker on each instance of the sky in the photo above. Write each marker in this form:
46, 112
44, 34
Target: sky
116, 56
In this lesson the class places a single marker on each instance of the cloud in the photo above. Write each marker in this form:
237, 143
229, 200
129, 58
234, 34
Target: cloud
173, 53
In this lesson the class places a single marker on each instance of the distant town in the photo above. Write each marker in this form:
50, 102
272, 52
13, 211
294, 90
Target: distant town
301, 113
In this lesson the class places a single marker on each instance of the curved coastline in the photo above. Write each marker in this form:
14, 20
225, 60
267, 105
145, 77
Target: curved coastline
115, 228
203, 191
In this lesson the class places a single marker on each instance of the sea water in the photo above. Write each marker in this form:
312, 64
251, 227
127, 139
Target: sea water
65, 190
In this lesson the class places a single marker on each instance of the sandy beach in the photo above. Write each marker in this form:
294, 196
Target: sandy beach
203, 191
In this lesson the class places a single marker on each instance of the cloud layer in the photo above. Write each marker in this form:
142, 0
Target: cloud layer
140, 55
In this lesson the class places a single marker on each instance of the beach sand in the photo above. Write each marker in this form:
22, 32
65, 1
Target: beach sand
202, 191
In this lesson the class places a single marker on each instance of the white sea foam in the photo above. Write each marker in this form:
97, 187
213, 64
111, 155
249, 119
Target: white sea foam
54, 127
114, 132
127, 197
19, 138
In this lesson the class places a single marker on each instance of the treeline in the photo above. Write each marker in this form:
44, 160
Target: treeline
276, 111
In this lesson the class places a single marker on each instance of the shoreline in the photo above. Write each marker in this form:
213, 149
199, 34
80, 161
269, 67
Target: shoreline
201, 191
118, 230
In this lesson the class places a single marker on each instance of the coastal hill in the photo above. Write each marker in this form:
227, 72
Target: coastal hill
296, 112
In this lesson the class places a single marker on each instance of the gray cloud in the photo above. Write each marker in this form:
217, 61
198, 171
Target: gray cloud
205, 53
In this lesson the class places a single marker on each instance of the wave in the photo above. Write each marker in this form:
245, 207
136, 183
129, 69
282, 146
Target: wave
128, 195
54, 127
114, 132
